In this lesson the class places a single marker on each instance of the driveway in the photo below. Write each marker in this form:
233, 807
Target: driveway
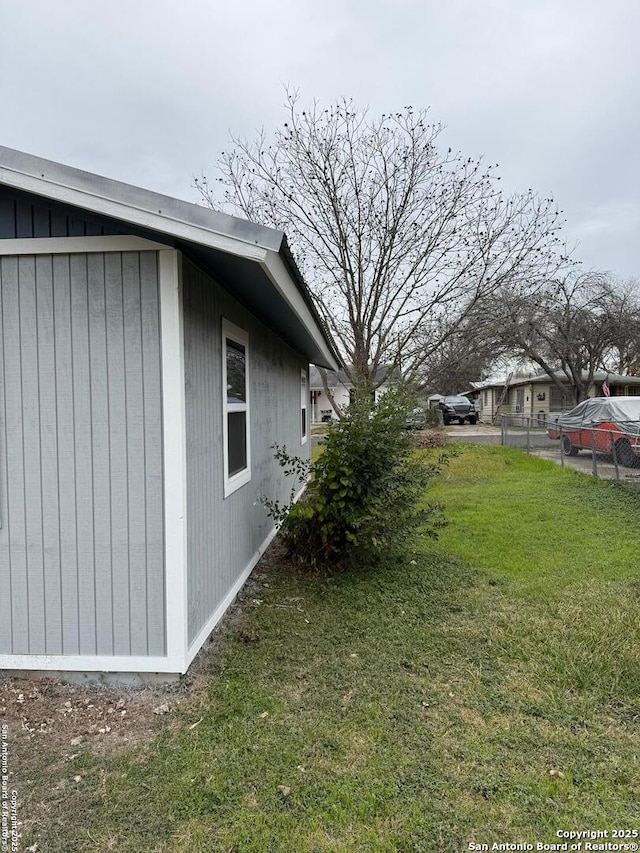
490, 434
476, 434
604, 467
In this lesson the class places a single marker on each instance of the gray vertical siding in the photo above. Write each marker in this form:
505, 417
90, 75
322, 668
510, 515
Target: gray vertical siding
224, 534
23, 215
81, 496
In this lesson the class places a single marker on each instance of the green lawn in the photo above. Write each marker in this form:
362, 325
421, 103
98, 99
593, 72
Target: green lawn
485, 688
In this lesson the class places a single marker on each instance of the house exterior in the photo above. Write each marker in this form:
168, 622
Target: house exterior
535, 396
341, 389
152, 353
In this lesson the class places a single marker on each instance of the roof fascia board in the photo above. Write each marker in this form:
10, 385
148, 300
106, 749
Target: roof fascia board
162, 223
275, 268
66, 245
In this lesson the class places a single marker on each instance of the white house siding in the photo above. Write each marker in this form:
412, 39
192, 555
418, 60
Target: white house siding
539, 409
224, 534
341, 396
323, 404
81, 499
531, 406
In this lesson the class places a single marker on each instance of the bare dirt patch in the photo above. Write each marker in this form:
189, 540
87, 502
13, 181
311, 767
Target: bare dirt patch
53, 724
47, 715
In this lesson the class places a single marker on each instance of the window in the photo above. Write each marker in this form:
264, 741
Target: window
304, 396
559, 399
235, 406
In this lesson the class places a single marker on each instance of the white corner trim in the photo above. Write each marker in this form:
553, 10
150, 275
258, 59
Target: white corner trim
70, 245
174, 454
94, 663
134, 215
274, 267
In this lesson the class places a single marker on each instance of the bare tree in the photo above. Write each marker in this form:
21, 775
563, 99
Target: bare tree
397, 236
623, 315
565, 328
467, 355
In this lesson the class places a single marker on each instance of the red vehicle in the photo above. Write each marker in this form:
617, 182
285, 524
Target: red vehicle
599, 424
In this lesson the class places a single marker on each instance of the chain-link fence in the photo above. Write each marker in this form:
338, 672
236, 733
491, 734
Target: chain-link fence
606, 453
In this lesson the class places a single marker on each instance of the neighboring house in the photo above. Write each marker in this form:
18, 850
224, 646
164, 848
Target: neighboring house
536, 395
341, 390
153, 352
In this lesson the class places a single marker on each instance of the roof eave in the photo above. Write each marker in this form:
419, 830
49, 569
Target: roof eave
181, 221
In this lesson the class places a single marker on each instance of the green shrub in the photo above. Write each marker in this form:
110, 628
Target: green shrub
366, 491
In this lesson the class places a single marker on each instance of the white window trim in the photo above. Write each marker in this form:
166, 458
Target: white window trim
240, 336
304, 404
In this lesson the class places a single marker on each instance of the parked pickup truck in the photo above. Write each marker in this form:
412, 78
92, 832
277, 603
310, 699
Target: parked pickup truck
458, 408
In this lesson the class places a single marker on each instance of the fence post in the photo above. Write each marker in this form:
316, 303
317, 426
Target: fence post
503, 431
528, 435
594, 461
561, 449
614, 453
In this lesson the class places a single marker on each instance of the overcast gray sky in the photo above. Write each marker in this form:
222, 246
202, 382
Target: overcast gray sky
147, 91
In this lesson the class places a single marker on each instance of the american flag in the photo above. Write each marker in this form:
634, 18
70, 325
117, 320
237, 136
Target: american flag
605, 388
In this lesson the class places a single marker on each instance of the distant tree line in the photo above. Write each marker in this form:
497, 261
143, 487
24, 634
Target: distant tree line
577, 323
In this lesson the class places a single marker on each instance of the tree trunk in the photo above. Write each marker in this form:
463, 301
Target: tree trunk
330, 397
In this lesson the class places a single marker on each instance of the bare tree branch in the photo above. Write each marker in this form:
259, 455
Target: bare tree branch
394, 234
576, 324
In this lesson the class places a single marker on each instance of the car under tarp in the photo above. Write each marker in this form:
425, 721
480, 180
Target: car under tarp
624, 412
